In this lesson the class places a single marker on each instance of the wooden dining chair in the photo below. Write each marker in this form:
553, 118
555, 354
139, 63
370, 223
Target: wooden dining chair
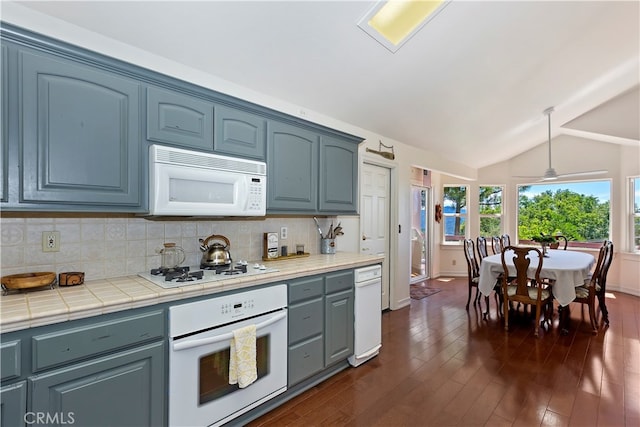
586, 294
473, 271
523, 288
505, 240
496, 245
601, 287
481, 247
562, 241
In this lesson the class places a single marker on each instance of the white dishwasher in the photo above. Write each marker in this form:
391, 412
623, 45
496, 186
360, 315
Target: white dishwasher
368, 314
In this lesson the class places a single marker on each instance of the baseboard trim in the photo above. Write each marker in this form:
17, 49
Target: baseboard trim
623, 289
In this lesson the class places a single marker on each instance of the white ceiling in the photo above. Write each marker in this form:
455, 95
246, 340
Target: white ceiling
471, 85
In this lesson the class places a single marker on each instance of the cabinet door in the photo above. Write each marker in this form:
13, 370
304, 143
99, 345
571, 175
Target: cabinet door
338, 324
4, 125
176, 118
238, 133
338, 175
292, 163
81, 138
126, 388
13, 404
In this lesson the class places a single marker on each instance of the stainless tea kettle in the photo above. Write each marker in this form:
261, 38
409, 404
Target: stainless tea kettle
215, 254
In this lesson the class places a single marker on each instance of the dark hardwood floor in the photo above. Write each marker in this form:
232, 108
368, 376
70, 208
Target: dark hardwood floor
443, 366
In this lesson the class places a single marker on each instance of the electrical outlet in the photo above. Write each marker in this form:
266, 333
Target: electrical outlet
50, 241
284, 233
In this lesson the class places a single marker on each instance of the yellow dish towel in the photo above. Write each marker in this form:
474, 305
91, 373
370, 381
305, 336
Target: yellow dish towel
242, 361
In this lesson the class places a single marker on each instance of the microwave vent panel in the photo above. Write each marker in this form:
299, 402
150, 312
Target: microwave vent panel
209, 161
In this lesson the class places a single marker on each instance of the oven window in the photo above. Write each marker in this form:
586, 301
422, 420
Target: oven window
213, 374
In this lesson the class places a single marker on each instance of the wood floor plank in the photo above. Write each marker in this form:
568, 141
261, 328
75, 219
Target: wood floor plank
441, 365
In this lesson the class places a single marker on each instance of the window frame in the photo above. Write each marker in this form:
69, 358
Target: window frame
463, 215
499, 215
634, 214
571, 243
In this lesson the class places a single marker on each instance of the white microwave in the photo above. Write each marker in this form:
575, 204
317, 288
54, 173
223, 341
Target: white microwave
192, 183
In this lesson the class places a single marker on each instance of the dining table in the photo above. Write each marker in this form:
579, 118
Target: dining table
567, 269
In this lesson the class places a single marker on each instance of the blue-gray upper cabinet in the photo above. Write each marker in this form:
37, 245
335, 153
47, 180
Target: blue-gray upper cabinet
180, 119
239, 133
292, 168
80, 134
338, 175
4, 126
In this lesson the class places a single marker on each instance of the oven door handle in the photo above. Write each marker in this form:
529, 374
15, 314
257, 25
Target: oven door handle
184, 345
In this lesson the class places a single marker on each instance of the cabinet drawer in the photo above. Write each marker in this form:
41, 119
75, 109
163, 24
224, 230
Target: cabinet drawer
339, 281
305, 320
72, 344
304, 289
305, 359
10, 359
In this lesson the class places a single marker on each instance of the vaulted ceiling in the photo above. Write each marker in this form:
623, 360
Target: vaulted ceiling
471, 85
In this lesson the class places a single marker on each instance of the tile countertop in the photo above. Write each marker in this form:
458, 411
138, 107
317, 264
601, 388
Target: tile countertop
96, 297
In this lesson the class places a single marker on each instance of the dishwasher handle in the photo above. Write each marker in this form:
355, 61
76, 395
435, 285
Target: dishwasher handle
184, 345
368, 283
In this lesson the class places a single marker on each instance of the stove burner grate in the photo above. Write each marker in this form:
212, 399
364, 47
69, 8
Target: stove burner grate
163, 271
226, 269
179, 274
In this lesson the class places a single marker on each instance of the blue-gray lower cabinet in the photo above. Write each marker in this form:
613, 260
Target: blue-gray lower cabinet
320, 323
116, 390
179, 119
292, 168
13, 404
239, 133
338, 316
80, 133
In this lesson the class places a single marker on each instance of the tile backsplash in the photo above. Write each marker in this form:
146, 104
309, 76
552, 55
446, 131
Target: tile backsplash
112, 246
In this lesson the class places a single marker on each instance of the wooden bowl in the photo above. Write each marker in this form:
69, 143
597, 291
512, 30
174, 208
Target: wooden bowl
28, 280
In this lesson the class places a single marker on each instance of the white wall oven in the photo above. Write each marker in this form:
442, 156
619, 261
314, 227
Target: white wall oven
201, 333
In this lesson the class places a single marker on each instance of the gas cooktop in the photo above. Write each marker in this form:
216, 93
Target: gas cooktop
186, 275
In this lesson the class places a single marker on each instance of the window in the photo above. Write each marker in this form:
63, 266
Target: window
634, 185
490, 211
455, 213
580, 211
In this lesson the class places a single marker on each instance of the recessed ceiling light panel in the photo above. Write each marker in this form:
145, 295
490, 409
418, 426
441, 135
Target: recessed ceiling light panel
393, 22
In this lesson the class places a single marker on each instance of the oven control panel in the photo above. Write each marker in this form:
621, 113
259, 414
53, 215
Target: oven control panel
216, 311
236, 308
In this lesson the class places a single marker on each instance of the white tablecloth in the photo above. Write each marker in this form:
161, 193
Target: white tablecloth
568, 268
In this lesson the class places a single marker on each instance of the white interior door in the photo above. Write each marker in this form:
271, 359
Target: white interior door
374, 218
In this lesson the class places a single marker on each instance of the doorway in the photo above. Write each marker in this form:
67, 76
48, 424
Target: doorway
419, 233
375, 219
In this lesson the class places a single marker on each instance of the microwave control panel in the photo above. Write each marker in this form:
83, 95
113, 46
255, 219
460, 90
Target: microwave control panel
256, 195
